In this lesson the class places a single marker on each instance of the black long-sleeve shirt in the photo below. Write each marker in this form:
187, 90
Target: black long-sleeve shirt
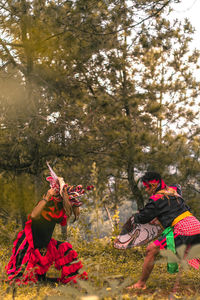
165, 206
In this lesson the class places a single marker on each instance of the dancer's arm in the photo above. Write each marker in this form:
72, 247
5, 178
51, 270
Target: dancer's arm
39, 207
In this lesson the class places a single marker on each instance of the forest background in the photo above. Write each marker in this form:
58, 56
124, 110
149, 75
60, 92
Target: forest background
103, 90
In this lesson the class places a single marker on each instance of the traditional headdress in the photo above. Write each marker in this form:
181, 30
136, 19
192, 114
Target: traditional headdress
73, 191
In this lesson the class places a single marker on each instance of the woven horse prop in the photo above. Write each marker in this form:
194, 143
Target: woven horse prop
133, 234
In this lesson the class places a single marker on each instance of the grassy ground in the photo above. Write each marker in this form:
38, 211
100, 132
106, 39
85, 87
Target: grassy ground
110, 271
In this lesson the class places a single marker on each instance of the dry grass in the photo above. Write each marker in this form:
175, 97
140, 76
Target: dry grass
110, 271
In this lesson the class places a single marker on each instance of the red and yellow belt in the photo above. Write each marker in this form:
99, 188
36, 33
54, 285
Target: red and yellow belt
181, 217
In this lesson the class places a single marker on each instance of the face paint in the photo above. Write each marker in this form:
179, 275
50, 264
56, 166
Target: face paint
151, 186
146, 185
53, 184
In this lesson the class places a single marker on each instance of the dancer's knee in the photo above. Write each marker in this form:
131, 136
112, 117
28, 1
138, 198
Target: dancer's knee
152, 250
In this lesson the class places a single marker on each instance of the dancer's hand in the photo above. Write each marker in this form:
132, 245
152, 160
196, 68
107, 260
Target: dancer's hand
154, 222
50, 193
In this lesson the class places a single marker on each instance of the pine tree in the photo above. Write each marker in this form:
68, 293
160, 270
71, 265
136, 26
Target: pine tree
97, 81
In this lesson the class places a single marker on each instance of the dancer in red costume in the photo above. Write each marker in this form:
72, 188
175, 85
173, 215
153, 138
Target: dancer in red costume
35, 250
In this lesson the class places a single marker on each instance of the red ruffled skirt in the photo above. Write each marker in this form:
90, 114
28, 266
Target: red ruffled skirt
27, 263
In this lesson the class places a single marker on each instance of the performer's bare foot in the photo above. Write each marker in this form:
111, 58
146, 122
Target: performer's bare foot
138, 285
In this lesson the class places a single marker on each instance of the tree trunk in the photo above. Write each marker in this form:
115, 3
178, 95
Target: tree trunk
134, 188
38, 181
109, 217
23, 217
64, 232
20, 196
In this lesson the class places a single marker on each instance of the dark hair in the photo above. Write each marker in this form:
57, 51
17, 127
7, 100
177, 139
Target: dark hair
151, 176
